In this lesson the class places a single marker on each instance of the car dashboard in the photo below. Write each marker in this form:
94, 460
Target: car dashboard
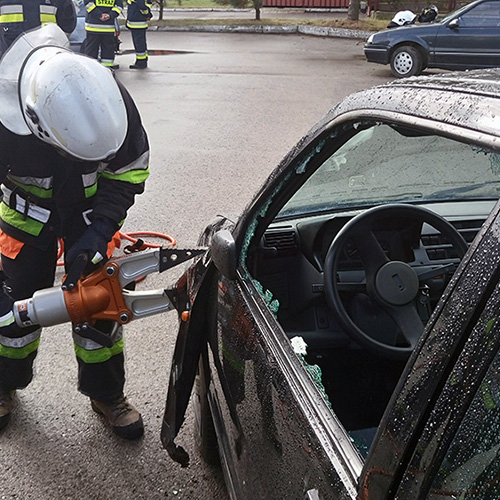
289, 262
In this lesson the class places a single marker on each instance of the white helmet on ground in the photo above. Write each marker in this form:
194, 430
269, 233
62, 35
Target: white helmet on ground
404, 17
67, 100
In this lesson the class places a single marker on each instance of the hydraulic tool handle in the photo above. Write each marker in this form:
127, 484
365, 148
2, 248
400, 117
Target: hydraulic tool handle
46, 307
96, 296
75, 272
101, 296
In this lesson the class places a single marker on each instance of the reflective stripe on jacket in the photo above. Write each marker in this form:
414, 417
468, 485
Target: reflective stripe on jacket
138, 14
18, 16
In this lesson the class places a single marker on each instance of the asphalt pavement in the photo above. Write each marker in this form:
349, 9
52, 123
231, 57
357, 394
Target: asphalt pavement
221, 111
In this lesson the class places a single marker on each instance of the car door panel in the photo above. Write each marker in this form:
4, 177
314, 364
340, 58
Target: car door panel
274, 436
471, 39
467, 47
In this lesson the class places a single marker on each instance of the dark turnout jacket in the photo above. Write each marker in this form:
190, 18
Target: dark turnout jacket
18, 16
47, 195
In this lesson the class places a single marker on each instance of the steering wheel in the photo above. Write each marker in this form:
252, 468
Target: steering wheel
392, 285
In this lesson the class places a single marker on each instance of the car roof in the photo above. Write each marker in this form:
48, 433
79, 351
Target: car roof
468, 99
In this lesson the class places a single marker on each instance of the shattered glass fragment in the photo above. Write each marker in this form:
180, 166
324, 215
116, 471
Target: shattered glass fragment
300, 349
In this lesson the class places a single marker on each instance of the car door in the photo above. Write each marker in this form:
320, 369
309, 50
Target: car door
440, 437
470, 40
277, 436
280, 438
276, 433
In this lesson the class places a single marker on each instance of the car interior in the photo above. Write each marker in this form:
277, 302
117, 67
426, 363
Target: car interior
355, 273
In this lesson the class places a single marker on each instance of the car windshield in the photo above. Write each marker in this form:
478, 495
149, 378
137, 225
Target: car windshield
384, 163
455, 13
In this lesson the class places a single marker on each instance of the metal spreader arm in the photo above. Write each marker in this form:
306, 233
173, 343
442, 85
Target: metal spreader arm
102, 294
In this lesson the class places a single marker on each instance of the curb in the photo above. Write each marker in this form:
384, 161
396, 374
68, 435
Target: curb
286, 30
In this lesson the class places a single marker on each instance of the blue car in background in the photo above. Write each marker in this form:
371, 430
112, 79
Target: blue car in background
468, 38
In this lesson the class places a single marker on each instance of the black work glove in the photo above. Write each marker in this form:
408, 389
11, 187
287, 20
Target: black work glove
93, 245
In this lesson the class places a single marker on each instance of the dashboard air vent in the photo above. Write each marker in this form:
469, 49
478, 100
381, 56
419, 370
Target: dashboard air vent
438, 247
285, 242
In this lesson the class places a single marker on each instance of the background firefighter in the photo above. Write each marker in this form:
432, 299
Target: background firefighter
69, 170
100, 29
19, 16
138, 15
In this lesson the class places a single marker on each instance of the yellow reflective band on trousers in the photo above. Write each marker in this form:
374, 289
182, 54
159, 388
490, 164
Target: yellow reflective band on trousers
99, 355
16, 219
100, 28
137, 25
19, 352
132, 176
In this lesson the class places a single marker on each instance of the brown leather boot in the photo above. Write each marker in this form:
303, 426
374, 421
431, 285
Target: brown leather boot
123, 417
6, 406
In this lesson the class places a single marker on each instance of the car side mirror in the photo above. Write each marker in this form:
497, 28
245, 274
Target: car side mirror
223, 252
453, 25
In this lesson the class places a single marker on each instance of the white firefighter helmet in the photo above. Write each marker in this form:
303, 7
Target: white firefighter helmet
67, 100
404, 17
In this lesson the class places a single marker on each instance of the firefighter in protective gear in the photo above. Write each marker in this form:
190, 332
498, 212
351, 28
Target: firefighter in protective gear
100, 29
70, 170
19, 16
138, 15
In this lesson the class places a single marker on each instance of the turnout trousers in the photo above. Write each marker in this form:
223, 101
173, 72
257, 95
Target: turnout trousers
140, 46
104, 41
101, 373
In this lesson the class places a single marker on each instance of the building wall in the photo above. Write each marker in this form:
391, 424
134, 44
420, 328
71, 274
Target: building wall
326, 4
